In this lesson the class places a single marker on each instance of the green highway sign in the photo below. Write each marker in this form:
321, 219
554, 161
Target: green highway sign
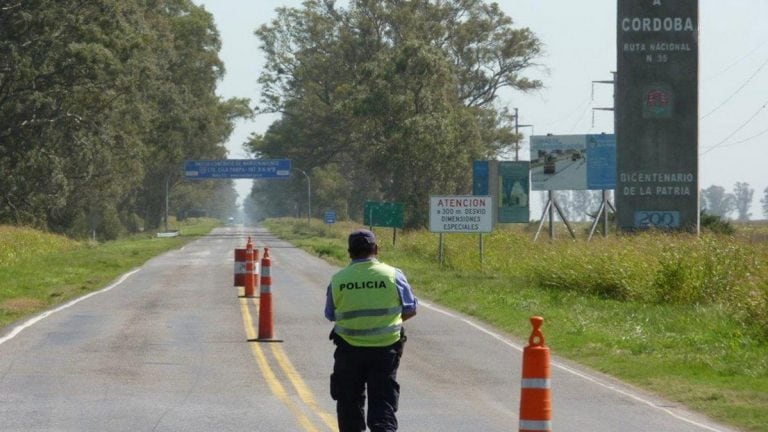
383, 214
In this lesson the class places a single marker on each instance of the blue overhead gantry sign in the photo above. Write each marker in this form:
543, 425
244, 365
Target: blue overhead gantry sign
238, 169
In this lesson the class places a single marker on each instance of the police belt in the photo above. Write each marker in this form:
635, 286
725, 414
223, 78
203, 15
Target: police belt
340, 342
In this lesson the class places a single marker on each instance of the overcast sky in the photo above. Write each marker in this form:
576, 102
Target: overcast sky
580, 47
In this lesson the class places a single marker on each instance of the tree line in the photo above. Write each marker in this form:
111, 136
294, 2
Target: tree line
101, 101
717, 201
386, 100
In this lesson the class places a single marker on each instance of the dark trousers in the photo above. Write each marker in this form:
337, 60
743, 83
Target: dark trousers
358, 369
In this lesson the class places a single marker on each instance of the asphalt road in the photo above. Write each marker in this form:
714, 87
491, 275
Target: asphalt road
165, 348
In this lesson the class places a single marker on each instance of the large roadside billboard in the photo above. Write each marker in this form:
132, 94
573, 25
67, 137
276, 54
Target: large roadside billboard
657, 114
508, 183
514, 192
573, 162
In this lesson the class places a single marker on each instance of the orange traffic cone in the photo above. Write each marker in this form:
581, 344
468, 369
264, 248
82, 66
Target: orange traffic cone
535, 392
239, 267
250, 279
255, 269
266, 329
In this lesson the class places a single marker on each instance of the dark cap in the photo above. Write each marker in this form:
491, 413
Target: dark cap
361, 239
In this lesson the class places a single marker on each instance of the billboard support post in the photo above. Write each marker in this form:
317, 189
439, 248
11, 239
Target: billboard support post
602, 211
549, 209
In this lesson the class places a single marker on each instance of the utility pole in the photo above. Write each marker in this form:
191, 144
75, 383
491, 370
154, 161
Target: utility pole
517, 127
309, 197
167, 200
603, 210
612, 82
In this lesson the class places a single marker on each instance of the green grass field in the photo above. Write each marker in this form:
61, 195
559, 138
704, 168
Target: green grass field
685, 317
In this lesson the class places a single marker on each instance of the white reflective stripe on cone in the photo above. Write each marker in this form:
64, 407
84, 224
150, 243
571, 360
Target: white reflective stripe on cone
535, 383
536, 425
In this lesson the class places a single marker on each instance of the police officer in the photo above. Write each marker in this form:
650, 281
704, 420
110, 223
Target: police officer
369, 301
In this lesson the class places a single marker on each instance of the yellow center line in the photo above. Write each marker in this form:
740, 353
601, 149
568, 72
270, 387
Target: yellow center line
301, 388
269, 375
299, 385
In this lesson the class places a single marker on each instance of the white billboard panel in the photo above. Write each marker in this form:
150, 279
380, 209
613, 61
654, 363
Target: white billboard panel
573, 162
557, 162
461, 214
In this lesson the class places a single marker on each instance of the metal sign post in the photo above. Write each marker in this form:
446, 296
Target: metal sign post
309, 196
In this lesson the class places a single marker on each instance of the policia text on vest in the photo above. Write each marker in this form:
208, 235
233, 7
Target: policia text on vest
363, 284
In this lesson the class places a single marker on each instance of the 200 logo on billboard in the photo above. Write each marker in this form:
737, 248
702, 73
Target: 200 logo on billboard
657, 219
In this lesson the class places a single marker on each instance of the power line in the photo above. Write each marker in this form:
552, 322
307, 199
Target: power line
583, 103
584, 112
729, 67
737, 90
759, 134
737, 129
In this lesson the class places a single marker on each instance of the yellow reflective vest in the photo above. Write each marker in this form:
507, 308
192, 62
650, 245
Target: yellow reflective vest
367, 305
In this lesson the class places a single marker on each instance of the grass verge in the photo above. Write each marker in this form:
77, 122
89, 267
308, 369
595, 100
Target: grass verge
684, 317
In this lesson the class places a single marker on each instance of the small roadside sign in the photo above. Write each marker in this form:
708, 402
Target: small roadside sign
330, 217
461, 214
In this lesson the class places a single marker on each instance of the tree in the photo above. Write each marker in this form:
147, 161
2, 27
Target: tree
764, 201
100, 103
195, 122
717, 202
743, 194
65, 135
395, 97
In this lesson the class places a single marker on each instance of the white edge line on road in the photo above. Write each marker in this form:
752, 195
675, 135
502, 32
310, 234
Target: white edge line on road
611, 387
32, 321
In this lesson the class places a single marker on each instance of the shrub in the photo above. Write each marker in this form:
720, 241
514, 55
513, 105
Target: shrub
715, 224
755, 309
706, 270
110, 227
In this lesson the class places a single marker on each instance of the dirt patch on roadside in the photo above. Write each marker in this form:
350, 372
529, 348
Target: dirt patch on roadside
21, 305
